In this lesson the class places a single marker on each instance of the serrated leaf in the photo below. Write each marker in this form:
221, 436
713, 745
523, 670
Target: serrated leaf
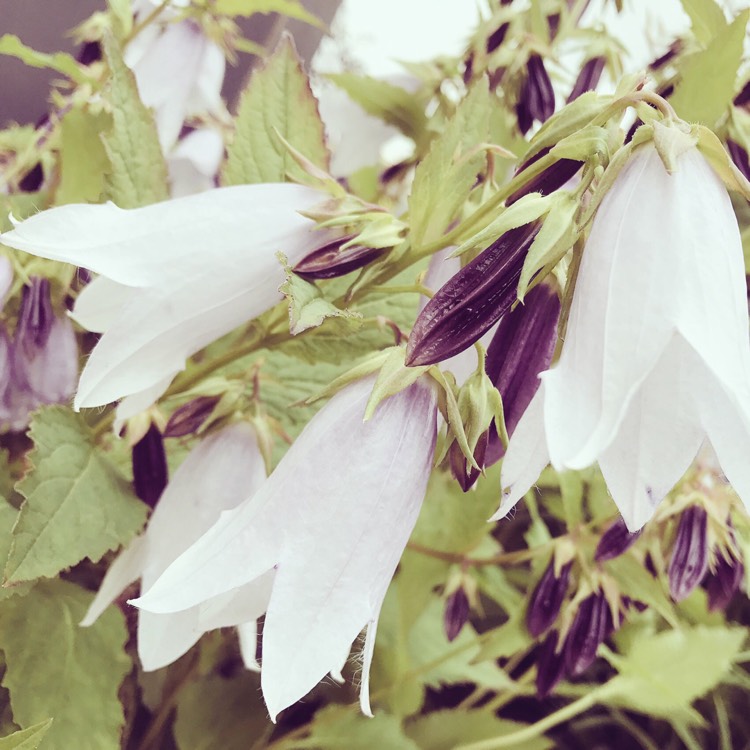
55, 669
62, 62
446, 730
138, 174
706, 18
444, 179
77, 504
26, 739
707, 84
8, 518
662, 674
288, 8
83, 158
386, 101
277, 100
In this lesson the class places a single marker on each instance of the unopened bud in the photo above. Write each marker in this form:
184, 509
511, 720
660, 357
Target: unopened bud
690, 553
472, 301
739, 156
590, 627
497, 37
549, 180
547, 599
465, 474
537, 98
662, 60
743, 97
333, 260
550, 665
149, 466
614, 541
456, 613
190, 416
723, 583
588, 78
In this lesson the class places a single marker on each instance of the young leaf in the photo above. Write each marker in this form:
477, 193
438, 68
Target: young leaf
26, 739
277, 100
60, 61
444, 178
77, 504
288, 8
58, 670
706, 18
708, 78
139, 173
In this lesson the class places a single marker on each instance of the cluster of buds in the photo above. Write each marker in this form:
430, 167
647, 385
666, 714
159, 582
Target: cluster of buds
39, 364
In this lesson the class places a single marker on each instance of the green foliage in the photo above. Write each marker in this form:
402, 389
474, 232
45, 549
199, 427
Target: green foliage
77, 505
58, 670
122, 14
138, 174
59, 61
445, 177
707, 85
26, 739
277, 102
289, 8
706, 18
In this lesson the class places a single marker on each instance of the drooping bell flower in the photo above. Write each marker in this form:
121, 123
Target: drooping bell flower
328, 526
174, 276
218, 474
472, 301
656, 356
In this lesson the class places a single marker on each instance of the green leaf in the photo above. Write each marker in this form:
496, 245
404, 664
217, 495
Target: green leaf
122, 13
26, 739
278, 99
139, 172
60, 61
386, 101
510, 638
288, 8
446, 730
663, 674
444, 179
707, 84
83, 159
57, 669
8, 518
706, 18
215, 712
340, 727
77, 504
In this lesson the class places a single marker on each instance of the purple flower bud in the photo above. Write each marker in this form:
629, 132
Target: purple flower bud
89, 52
550, 665
150, 473
739, 157
521, 348
456, 613
689, 561
743, 97
32, 180
468, 68
35, 316
537, 98
190, 416
723, 583
590, 627
331, 261
662, 60
549, 180
496, 38
465, 474
472, 301
588, 78
614, 541
553, 23
547, 599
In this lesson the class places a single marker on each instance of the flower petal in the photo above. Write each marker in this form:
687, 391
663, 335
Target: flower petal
99, 303
248, 637
244, 604
163, 639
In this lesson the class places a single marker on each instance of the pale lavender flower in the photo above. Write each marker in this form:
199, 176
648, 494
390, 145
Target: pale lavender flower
328, 526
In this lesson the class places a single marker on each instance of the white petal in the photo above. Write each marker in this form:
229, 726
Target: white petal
239, 605
658, 439
176, 241
248, 637
6, 278
194, 162
205, 95
162, 639
124, 570
135, 403
369, 650
526, 457
99, 304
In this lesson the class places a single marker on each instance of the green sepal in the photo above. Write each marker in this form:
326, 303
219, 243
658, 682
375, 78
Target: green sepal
671, 141
714, 152
394, 377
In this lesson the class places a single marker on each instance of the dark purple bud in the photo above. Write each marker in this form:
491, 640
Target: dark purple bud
661, 61
456, 613
32, 180
190, 416
523, 116
631, 130
591, 625
521, 348
553, 23
395, 171
496, 38
743, 97
588, 78
666, 91
537, 97
90, 52
332, 260
689, 561
465, 474
468, 68
550, 665
496, 78
739, 157
472, 301
35, 317
614, 541
150, 471
547, 598
723, 583
549, 180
